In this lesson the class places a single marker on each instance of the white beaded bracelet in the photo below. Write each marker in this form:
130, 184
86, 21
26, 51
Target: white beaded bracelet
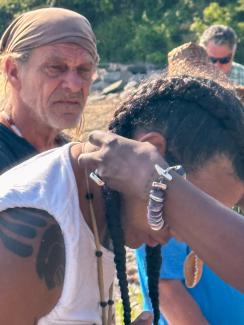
157, 195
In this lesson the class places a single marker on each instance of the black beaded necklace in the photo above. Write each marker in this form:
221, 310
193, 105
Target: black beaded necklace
107, 315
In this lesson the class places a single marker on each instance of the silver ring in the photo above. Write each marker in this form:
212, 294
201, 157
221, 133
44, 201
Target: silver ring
96, 178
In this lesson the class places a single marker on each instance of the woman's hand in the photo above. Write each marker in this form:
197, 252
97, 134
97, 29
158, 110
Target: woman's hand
125, 165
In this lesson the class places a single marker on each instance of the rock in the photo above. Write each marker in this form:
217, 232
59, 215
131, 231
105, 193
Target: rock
115, 67
116, 77
138, 77
137, 68
99, 85
131, 84
114, 87
96, 98
111, 77
112, 96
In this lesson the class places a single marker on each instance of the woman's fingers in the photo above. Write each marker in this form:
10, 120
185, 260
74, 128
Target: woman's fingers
125, 165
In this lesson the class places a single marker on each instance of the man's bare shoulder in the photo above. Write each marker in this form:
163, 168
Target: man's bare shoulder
32, 259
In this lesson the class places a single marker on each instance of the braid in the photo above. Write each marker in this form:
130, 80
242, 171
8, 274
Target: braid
184, 109
112, 201
122, 124
153, 261
198, 119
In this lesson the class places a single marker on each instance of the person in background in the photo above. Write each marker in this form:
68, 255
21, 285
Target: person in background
220, 43
48, 57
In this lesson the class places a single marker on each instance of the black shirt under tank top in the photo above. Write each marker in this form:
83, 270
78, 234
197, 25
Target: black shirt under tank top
14, 149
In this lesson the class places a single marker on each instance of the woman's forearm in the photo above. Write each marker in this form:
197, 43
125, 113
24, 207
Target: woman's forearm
214, 232
177, 305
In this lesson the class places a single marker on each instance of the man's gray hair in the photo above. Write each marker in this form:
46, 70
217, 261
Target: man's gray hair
219, 34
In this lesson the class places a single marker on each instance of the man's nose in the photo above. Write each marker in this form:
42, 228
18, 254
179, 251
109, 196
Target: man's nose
218, 65
73, 81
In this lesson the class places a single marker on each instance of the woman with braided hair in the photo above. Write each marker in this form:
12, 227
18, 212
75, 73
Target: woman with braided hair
202, 130
50, 198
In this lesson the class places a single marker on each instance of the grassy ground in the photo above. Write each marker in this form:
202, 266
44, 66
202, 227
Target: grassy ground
136, 304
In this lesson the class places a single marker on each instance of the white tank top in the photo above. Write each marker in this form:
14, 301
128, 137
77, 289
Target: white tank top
47, 182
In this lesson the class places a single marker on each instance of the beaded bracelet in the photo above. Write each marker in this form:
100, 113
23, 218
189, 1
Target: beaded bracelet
157, 195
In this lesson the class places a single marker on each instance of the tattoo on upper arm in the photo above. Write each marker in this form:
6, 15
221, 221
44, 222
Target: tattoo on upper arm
19, 226
51, 257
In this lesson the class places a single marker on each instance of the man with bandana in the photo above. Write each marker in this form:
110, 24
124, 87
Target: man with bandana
48, 59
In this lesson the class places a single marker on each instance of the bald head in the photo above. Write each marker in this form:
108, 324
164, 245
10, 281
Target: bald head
46, 26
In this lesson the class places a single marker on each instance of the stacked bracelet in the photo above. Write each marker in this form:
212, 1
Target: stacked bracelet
157, 195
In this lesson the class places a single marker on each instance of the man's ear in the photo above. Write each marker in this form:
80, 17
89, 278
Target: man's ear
155, 138
12, 71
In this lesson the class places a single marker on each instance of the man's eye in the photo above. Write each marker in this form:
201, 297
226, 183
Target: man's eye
54, 70
85, 73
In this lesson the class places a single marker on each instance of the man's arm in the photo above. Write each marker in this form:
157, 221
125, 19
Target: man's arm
32, 263
177, 305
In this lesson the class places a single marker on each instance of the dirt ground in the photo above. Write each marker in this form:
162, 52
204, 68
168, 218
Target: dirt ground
96, 116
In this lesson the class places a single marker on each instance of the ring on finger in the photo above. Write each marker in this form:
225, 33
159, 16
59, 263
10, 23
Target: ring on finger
94, 176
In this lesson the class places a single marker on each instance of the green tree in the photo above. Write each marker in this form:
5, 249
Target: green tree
142, 30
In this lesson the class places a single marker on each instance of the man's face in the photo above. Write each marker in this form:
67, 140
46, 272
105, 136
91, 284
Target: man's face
216, 178
220, 55
54, 84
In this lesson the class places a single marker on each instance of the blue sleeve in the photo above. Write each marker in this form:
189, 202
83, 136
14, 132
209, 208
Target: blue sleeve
173, 257
142, 274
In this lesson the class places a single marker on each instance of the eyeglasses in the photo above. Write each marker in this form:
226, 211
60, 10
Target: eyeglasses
223, 60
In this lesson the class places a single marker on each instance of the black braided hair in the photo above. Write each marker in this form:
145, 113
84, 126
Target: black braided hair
199, 119
112, 203
154, 260
197, 116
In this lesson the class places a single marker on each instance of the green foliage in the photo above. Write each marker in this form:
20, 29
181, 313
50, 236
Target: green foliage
135, 301
213, 14
114, 40
149, 42
142, 30
11, 8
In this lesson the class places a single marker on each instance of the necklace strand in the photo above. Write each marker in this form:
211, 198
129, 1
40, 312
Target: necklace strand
106, 319
11, 124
